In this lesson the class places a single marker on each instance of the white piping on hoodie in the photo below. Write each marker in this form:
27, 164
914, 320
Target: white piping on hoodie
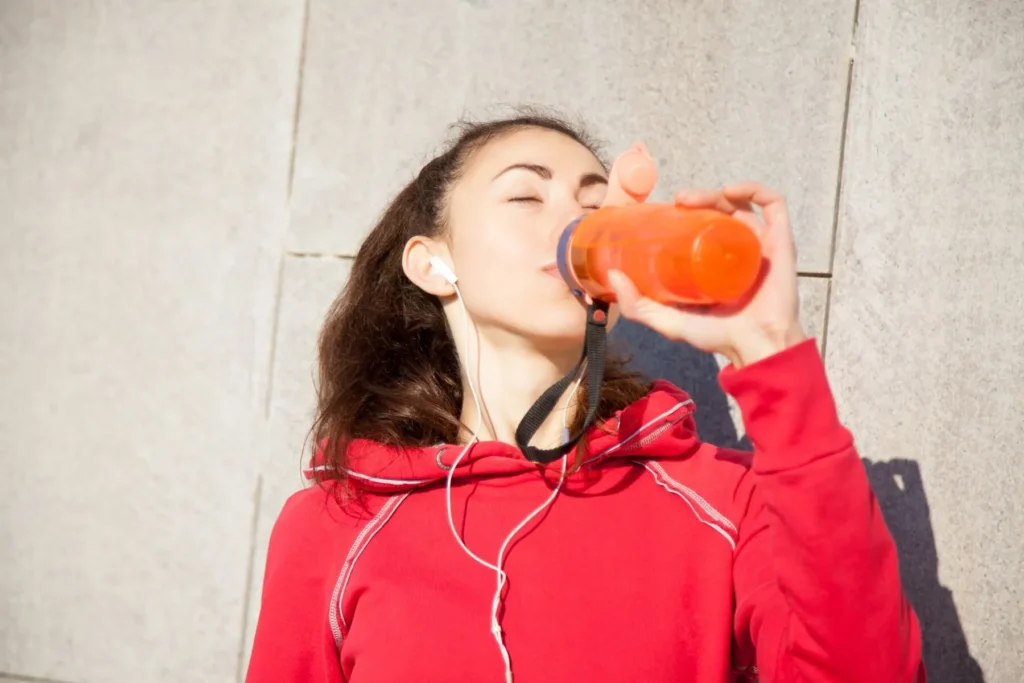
718, 521
362, 540
628, 441
375, 480
706, 506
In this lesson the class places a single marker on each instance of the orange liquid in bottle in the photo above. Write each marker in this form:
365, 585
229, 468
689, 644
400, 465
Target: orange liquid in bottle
672, 254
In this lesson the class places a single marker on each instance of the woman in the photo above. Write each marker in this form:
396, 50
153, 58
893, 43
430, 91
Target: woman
433, 550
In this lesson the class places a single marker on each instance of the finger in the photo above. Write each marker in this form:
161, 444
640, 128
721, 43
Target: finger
626, 293
632, 304
717, 201
641, 309
705, 199
754, 192
774, 212
632, 178
773, 205
639, 173
743, 207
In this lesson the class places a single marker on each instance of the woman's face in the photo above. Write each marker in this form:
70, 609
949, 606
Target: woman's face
505, 217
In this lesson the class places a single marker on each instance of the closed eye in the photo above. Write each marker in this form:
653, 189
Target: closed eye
524, 199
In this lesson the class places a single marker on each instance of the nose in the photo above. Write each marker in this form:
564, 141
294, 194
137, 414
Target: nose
565, 208
566, 212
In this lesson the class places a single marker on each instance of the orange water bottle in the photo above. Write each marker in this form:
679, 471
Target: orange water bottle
672, 254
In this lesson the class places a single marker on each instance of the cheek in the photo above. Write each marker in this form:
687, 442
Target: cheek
501, 275
501, 251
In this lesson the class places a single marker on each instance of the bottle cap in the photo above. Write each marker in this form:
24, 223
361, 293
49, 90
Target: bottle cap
726, 260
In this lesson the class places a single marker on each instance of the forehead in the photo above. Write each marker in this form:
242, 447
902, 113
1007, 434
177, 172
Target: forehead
560, 153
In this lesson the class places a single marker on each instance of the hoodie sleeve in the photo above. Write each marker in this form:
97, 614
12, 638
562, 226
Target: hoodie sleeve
294, 641
816, 575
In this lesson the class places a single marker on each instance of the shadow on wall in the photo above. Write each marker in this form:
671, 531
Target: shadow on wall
901, 495
687, 368
896, 483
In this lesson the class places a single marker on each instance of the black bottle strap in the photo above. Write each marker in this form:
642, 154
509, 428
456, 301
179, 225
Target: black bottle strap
594, 353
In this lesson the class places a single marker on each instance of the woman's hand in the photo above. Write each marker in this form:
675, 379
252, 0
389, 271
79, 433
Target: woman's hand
745, 332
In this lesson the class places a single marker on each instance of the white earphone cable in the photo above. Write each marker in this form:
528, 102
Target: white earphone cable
502, 577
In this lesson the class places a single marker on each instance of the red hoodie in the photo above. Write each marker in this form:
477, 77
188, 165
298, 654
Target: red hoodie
663, 560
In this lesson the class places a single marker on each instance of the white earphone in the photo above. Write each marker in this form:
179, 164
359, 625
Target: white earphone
439, 267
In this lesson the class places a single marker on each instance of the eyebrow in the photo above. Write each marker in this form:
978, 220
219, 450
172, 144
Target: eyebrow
586, 180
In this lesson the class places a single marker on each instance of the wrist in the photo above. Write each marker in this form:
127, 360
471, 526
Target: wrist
755, 347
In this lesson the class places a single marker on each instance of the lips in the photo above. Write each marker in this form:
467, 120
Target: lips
552, 270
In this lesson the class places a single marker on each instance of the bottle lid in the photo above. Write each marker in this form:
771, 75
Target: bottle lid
726, 260
562, 258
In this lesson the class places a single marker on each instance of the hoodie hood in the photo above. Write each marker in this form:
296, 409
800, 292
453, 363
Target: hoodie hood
658, 425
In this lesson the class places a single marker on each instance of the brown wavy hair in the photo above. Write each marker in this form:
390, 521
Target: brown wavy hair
388, 367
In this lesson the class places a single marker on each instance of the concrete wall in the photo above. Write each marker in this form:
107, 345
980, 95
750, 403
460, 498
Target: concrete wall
182, 185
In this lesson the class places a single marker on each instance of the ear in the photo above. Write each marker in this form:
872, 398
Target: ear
416, 264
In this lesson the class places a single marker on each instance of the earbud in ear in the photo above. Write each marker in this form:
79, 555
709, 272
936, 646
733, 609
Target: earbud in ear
439, 267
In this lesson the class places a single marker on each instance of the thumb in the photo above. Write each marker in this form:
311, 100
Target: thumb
632, 178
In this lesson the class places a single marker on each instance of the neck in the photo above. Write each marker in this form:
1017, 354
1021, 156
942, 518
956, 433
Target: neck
509, 377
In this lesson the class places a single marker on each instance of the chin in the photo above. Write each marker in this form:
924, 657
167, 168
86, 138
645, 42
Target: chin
560, 326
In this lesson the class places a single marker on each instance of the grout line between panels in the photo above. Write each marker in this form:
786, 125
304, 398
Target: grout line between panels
839, 179
272, 355
249, 574
843, 136
318, 254
298, 97
825, 320
258, 491
275, 322
19, 678
291, 182
842, 168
